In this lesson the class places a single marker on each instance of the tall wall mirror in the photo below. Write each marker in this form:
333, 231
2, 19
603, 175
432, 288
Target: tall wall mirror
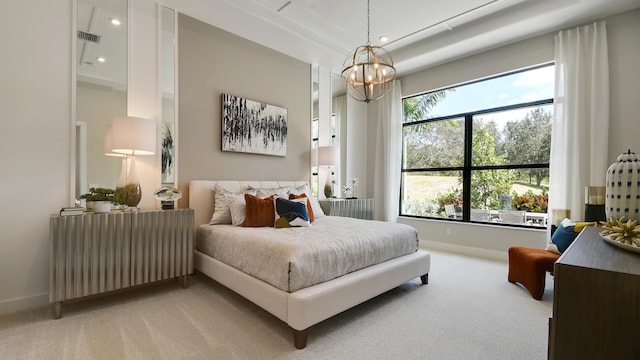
339, 126
169, 125
328, 115
101, 89
315, 129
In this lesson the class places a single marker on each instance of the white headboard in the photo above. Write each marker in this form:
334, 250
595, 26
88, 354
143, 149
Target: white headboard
201, 194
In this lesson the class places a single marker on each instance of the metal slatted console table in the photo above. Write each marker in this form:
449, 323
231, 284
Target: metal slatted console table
96, 253
355, 208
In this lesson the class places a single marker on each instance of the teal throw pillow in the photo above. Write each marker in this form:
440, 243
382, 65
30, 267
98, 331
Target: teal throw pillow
564, 236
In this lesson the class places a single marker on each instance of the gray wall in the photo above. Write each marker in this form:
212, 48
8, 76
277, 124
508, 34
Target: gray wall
624, 49
212, 61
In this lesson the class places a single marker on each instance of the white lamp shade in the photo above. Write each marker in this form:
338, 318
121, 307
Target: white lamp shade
133, 136
108, 145
327, 156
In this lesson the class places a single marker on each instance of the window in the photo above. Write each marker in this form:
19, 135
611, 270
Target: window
479, 152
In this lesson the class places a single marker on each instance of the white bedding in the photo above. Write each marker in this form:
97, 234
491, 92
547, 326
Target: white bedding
295, 258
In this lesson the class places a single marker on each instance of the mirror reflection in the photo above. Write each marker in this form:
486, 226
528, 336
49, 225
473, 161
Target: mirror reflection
339, 125
101, 89
315, 111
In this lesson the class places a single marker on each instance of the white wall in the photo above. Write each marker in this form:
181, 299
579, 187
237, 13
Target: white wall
624, 49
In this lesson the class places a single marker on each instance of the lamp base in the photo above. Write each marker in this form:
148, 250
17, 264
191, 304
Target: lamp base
328, 190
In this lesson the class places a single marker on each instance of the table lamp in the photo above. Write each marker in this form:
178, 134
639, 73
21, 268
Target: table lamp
132, 136
328, 157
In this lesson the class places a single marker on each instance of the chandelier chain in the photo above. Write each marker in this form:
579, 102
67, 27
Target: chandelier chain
368, 23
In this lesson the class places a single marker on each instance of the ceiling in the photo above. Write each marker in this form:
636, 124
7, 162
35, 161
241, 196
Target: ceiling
422, 33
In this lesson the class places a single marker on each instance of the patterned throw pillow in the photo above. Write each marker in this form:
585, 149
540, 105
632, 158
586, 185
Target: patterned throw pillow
291, 213
315, 205
309, 208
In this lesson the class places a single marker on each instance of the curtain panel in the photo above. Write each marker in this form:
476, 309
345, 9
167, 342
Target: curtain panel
388, 155
579, 137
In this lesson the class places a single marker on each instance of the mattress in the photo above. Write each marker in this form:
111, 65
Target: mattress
291, 259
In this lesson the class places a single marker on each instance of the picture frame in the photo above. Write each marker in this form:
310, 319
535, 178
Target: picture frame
250, 126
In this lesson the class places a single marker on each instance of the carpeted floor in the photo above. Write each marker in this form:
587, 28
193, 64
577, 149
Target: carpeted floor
467, 311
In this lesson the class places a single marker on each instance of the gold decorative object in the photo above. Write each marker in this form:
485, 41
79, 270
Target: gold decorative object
625, 232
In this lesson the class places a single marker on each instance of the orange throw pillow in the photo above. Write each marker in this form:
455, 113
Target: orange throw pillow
260, 212
309, 209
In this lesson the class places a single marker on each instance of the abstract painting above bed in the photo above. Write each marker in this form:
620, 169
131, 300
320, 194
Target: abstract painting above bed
253, 127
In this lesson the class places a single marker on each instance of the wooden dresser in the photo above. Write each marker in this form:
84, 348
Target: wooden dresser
596, 301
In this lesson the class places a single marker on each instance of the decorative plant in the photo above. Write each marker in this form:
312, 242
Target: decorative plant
350, 188
101, 194
531, 202
453, 197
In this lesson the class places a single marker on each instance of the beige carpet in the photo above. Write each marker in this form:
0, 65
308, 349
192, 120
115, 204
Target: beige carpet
468, 311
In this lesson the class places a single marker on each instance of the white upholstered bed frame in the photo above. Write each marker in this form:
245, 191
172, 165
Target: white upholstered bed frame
303, 308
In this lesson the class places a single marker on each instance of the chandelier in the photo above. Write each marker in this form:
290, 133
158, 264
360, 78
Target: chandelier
368, 72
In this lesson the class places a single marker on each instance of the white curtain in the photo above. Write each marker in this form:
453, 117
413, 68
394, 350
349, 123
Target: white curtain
581, 117
388, 155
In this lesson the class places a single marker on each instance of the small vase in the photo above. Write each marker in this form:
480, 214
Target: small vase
328, 190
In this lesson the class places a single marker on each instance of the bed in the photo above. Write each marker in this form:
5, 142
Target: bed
304, 299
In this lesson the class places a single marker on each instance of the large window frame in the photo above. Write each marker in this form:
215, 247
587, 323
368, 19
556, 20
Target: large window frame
468, 167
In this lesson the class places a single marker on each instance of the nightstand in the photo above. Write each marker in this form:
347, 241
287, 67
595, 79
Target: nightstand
355, 208
97, 253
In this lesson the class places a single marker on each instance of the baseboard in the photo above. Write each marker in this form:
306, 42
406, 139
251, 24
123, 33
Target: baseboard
25, 303
464, 250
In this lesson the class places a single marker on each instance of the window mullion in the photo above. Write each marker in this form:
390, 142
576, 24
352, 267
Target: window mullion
466, 172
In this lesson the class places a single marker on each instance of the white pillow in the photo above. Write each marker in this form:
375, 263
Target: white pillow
238, 208
315, 204
224, 198
553, 248
266, 192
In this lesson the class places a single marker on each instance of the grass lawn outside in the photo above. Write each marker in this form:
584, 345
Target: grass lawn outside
427, 187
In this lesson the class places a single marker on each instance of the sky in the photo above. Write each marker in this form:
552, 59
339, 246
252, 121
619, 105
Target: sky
506, 90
